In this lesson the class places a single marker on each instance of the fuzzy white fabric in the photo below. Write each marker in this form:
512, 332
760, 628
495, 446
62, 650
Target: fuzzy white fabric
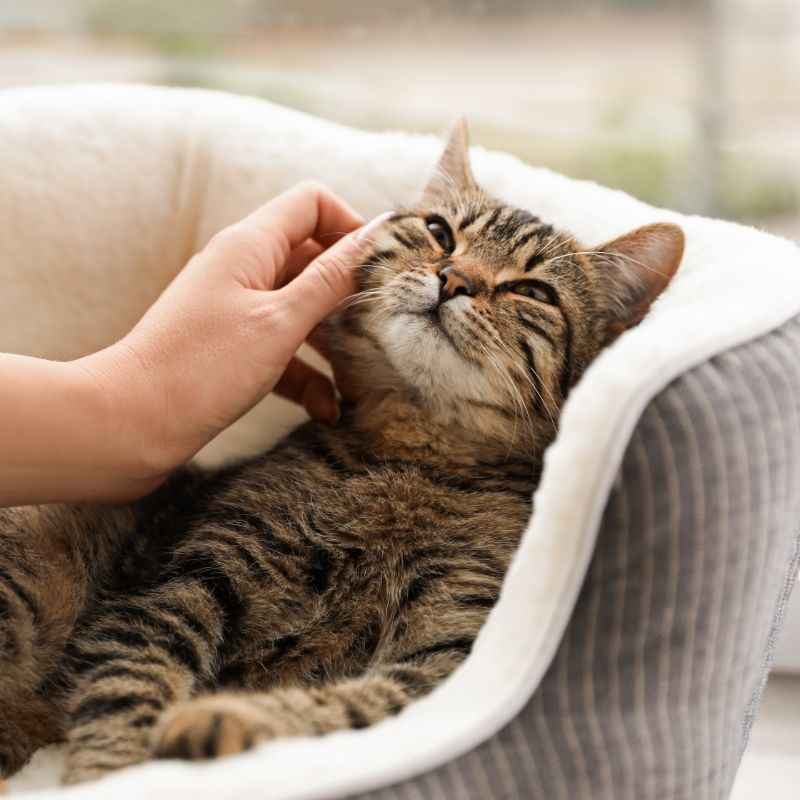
105, 192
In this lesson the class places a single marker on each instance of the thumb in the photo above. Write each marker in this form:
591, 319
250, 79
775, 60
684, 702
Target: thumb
330, 278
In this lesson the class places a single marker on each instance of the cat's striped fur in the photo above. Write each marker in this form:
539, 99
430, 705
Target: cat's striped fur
346, 572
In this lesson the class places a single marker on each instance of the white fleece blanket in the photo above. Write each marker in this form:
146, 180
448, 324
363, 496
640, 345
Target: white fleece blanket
105, 191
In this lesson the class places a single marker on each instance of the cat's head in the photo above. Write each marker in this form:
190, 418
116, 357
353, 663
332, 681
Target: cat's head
485, 316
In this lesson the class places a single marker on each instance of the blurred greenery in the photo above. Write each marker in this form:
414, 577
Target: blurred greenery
639, 168
660, 175
625, 152
749, 194
650, 142
185, 17
178, 16
273, 85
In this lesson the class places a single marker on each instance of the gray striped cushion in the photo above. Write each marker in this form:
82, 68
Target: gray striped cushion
655, 683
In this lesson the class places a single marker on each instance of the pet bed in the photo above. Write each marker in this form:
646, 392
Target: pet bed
628, 650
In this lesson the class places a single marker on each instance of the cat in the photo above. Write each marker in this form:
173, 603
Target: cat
334, 579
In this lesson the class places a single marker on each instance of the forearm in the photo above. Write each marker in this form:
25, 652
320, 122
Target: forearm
111, 426
64, 436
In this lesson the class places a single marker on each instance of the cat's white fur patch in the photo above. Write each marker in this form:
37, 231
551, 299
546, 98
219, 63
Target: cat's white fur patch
423, 350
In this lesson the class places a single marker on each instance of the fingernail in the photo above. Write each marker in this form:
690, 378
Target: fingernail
367, 230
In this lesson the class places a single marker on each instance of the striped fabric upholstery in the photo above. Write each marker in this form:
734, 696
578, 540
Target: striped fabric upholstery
653, 689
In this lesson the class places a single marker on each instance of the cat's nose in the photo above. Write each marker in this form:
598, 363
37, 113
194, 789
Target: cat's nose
454, 284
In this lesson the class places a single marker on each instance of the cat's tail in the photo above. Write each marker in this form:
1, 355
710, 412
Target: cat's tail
40, 598
47, 557
32, 629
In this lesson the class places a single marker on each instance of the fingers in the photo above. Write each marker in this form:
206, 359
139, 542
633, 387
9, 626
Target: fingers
310, 388
319, 341
308, 210
299, 259
319, 289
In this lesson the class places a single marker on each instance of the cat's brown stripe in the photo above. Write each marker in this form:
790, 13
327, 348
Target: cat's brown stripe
535, 378
469, 218
525, 319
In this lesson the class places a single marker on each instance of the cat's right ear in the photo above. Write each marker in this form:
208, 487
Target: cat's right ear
452, 174
635, 269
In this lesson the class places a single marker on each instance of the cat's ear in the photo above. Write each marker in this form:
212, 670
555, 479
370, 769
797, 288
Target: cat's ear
635, 269
452, 174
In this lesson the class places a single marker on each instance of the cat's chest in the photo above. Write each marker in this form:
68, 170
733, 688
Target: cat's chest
407, 508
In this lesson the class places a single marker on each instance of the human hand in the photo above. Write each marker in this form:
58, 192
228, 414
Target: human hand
225, 332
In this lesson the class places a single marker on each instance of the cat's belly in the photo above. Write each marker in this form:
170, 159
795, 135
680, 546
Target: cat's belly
325, 573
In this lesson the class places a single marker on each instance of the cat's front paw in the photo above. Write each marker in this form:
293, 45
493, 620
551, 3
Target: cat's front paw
207, 727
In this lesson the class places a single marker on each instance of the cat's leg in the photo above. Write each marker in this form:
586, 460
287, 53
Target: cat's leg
140, 656
226, 723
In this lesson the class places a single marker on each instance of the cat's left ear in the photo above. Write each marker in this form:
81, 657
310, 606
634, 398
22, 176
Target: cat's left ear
635, 269
452, 174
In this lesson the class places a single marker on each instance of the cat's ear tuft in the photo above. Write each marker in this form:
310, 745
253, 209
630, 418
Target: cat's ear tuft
636, 268
452, 174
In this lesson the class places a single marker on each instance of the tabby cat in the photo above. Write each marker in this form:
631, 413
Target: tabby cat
336, 578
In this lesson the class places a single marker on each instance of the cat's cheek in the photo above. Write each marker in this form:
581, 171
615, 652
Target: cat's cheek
210, 727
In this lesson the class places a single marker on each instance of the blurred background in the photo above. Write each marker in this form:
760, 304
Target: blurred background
692, 104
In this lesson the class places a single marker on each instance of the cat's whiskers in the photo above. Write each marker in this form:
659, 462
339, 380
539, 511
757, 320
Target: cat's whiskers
385, 266
502, 373
538, 393
608, 259
511, 357
517, 401
551, 243
368, 240
520, 407
385, 309
363, 296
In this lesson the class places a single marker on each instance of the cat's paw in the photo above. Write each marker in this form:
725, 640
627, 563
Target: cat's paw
211, 726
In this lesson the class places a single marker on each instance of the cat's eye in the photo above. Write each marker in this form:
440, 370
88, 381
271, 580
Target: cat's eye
535, 290
442, 233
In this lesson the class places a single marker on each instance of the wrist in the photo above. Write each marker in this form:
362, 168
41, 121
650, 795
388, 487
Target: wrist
63, 437
118, 388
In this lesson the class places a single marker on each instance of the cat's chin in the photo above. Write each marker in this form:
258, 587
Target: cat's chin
427, 356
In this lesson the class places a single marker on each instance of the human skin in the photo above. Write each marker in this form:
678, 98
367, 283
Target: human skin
111, 426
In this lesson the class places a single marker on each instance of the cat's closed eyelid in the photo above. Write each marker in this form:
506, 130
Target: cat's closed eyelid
527, 289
